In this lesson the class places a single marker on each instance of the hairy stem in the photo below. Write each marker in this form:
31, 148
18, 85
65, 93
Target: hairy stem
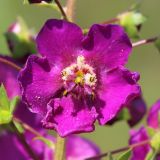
119, 150
60, 148
70, 9
61, 9
114, 20
27, 127
22, 140
144, 41
9, 63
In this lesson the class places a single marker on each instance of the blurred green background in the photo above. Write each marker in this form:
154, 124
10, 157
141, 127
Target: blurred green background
144, 59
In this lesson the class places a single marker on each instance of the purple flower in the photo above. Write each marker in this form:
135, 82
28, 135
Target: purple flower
137, 109
76, 148
79, 79
140, 152
140, 135
153, 116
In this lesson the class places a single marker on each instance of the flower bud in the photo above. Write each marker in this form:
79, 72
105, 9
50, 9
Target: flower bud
20, 40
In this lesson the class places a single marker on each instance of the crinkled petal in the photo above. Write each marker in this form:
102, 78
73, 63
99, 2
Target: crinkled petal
140, 152
153, 116
137, 109
107, 45
59, 41
8, 76
118, 86
80, 148
68, 115
39, 83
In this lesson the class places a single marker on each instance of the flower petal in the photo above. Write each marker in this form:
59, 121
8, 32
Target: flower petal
107, 45
80, 148
39, 83
153, 116
68, 115
59, 40
117, 88
140, 152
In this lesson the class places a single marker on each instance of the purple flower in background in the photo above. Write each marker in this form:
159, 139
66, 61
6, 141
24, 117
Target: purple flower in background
140, 152
76, 148
39, 1
137, 109
153, 116
79, 78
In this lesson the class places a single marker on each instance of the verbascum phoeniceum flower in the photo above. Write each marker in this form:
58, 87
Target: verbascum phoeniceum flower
79, 78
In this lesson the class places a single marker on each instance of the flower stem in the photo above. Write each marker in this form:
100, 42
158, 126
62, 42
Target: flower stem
144, 41
61, 9
27, 127
119, 150
70, 9
9, 63
114, 20
21, 138
60, 148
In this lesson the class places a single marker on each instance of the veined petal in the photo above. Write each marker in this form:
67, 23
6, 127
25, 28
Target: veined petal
107, 46
118, 86
39, 83
68, 115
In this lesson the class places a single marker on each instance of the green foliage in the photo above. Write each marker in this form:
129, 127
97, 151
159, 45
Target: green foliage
132, 22
155, 142
6, 106
151, 131
124, 114
125, 156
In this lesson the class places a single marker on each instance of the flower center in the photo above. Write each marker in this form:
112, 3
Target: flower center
79, 75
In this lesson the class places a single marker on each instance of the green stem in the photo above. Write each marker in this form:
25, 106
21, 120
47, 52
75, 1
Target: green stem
60, 148
22, 140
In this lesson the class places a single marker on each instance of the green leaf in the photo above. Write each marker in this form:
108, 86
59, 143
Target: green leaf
155, 142
4, 101
110, 157
13, 103
48, 142
19, 127
125, 156
6, 106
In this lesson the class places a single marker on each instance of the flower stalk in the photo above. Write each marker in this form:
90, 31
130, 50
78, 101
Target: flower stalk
70, 9
61, 9
144, 41
21, 138
60, 148
120, 150
9, 63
